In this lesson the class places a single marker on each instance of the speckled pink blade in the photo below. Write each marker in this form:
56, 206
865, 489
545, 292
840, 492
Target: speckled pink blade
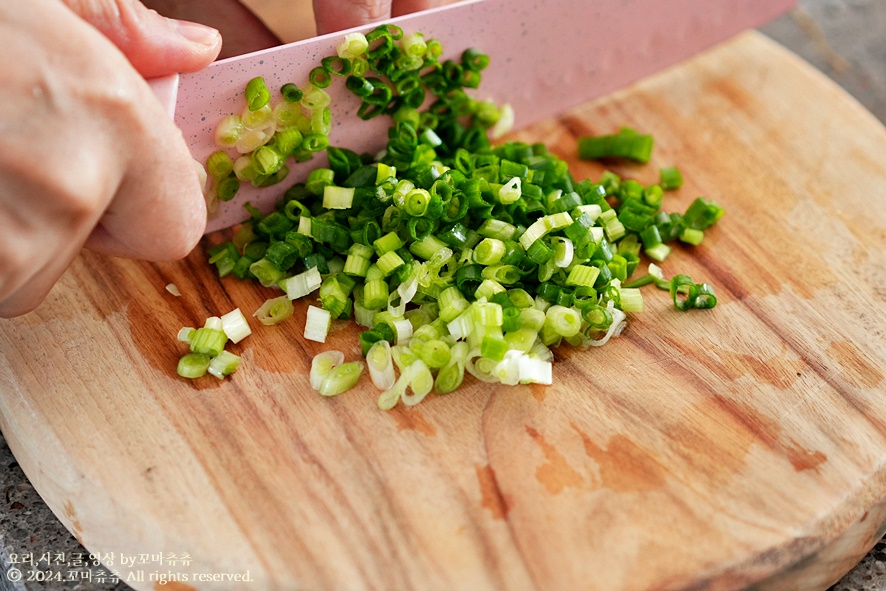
545, 58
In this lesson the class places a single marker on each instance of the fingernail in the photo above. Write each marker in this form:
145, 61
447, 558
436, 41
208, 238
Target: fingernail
197, 33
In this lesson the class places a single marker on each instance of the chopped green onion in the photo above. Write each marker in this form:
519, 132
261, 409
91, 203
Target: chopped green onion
291, 93
193, 365
219, 164
338, 197
235, 326
564, 251
353, 46
421, 382
341, 378
209, 341
671, 178
298, 286
632, 146
702, 214
691, 236
227, 188
388, 243
389, 262
510, 191
631, 299
228, 131
375, 294
274, 310
481, 257
315, 98
583, 275
185, 334
322, 364
489, 251
381, 365
317, 324
257, 95
566, 322
223, 364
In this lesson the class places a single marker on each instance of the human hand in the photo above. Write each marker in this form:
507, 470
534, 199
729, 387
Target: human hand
335, 15
87, 154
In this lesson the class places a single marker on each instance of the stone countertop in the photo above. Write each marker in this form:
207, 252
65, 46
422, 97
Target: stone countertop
843, 38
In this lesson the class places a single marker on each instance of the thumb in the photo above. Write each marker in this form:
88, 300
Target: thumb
155, 45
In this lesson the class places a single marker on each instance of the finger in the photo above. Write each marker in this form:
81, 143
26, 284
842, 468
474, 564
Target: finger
242, 31
401, 7
155, 45
335, 15
164, 222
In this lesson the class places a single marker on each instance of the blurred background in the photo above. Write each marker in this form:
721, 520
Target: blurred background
844, 39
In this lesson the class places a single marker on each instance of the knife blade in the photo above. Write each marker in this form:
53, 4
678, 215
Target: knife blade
544, 59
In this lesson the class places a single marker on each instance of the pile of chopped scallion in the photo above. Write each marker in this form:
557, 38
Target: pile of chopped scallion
454, 254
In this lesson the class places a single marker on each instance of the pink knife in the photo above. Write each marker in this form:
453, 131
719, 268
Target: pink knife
545, 57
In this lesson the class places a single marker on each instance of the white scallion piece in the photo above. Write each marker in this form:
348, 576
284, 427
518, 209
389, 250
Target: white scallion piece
409, 287
541, 351
510, 191
535, 371
619, 321
381, 365
363, 316
185, 334
421, 382
258, 119
304, 226
341, 378
508, 369
480, 367
228, 131
234, 325
403, 357
389, 398
214, 322
173, 289
251, 139
505, 122
223, 364
274, 310
338, 197
403, 331
317, 324
298, 286
591, 209
354, 45
463, 325
322, 364
564, 251
286, 114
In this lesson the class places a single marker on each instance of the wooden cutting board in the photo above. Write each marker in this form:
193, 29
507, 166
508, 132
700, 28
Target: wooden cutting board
740, 447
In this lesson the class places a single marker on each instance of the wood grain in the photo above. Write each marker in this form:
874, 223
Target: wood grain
736, 448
